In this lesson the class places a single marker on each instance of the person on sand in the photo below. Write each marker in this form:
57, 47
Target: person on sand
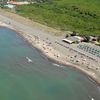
9, 23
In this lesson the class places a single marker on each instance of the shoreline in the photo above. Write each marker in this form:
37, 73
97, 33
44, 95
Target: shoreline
68, 64
38, 44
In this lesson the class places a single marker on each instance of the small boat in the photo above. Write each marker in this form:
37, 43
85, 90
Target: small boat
91, 98
28, 59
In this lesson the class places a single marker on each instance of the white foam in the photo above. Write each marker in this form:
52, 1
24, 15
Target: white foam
58, 65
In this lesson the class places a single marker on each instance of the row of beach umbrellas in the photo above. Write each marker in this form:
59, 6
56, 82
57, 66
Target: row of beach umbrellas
89, 49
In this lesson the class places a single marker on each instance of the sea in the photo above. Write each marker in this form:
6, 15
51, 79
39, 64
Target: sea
27, 74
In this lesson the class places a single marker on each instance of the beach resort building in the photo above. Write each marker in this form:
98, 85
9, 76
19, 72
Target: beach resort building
14, 2
73, 39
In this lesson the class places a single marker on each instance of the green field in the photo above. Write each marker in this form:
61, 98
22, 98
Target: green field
82, 16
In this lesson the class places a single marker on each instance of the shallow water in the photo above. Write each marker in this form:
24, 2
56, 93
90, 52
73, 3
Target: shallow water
40, 79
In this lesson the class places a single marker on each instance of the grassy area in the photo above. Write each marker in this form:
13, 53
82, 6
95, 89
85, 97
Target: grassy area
82, 16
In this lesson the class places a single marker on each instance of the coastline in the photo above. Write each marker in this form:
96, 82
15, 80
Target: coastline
49, 51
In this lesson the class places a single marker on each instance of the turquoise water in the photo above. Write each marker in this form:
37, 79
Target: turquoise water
41, 79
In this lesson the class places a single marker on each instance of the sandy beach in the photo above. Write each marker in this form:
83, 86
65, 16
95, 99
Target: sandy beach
44, 39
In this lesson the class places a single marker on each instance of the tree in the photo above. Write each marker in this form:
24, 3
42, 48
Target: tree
87, 39
74, 33
98, 39
67, 35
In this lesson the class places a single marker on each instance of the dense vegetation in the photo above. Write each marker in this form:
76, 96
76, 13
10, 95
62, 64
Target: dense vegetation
82, 16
